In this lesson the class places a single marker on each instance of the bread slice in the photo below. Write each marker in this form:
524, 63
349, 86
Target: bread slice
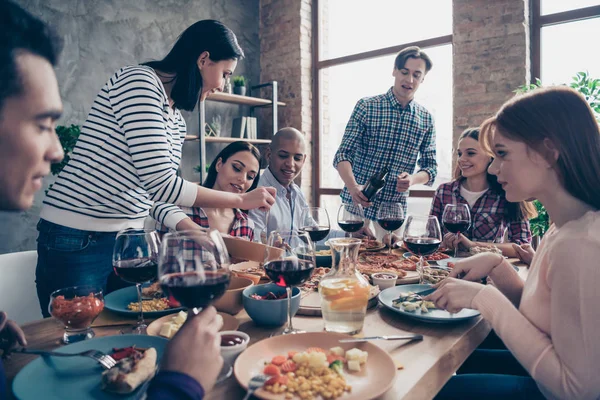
130, 372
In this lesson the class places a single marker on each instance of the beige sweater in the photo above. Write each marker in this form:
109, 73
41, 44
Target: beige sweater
555, 331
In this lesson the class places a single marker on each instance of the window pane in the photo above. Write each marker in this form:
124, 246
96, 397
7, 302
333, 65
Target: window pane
565, 51
555, 6
342, 86
351, 27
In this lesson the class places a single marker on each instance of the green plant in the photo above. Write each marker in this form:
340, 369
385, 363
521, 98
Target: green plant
198, 168
68, 138
239, 81
541, 223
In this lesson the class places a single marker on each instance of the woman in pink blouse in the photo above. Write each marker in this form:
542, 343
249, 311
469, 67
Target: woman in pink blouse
546, 145
491, 214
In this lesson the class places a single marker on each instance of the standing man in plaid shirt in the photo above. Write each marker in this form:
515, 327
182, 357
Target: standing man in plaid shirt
390, 130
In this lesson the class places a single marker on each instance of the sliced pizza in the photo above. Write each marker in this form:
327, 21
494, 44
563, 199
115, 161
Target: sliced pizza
136, 367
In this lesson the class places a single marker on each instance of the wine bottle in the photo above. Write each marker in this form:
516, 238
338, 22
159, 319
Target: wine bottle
375, 184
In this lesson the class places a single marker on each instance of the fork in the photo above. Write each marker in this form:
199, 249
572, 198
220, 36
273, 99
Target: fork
103, 359
256, 382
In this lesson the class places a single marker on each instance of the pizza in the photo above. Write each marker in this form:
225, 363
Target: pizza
437, 256
372, 268
135, 366
312, 285
415, 260
370, 244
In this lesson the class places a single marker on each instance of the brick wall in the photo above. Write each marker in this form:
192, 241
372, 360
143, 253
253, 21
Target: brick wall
285, 31
491, 57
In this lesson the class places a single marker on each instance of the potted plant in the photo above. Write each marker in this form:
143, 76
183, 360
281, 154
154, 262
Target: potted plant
239, 85
67, 135
540, 224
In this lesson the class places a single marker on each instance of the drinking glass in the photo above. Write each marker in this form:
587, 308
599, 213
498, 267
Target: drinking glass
390, 216
289, 262
315, 222
193, 267
351, 217
457, 219
422, 237
135, 256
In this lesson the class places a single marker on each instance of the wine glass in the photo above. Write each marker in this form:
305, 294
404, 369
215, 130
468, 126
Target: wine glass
315, 222
351, 217
422, 237
193, 268
457, 219
289, 262
135, 256
390, 216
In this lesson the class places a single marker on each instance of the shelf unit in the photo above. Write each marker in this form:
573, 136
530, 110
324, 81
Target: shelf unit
252, 102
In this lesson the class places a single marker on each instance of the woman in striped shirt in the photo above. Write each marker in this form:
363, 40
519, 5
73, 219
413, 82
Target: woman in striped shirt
236, 169
124, 166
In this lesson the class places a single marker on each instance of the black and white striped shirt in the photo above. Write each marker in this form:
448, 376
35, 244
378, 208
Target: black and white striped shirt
125, 161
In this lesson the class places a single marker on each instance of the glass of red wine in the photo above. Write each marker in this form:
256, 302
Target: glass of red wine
315, 222
457, 219
422, 237
289, 262
390, 216
351, 217
135, 257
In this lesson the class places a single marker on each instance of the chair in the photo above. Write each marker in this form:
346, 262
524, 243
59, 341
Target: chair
18, 295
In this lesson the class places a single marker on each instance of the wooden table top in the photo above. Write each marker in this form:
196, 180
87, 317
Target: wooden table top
428, 364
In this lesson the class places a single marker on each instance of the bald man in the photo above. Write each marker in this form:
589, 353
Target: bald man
286, 156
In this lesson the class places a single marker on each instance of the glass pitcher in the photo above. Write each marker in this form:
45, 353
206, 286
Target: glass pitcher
344, 291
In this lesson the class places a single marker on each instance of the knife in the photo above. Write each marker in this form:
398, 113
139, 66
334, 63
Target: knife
388, 337
425, 292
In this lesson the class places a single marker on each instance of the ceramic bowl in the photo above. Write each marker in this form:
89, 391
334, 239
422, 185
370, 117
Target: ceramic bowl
230, 353
231, 302
384, 280
269, 312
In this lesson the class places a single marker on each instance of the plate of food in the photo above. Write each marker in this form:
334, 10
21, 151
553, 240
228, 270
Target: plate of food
404, 301
355, 371
168, 325
155, 304
252, 270
382, 262
437, 256
323, 255
371, 245
82, 378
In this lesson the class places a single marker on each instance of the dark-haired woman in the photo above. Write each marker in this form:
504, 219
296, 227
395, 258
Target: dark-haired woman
124, 165
491, 214
236, 169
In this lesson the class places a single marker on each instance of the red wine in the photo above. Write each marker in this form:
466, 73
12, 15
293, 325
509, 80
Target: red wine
351, 226
390, 224
137, 270
422, 246
316, 233
193, 289
289, 272
455, 227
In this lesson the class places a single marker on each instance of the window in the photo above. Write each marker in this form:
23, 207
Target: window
357, 47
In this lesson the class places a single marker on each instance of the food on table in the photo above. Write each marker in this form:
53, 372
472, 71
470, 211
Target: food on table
434, 275
231, 340
438, 255
312, 373
170, 328
78, 312
150, 305
153, 291
135, 366
415, 260
383, 275
325, 252
373, 263
312, 284
411, 302
370, 244
484, 249
270, 296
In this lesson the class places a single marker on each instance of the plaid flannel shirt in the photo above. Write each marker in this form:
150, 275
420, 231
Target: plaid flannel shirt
242, 226
382, 133
488, 222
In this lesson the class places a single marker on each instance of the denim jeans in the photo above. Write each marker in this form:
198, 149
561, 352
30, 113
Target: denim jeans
491, 372
71, 257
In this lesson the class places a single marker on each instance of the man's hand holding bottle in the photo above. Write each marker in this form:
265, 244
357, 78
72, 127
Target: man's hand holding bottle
358, 197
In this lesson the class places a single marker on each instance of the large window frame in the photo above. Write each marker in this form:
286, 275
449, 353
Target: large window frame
317, 66
539, 21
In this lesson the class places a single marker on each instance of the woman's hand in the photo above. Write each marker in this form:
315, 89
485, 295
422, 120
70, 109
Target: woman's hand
10, 333
261, 197
453, 295
451, 241
476, 267
196, 348
525, 252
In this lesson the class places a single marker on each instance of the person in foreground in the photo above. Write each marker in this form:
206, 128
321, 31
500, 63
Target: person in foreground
124, 165
491, 214
236, 169
29, 107
546, 145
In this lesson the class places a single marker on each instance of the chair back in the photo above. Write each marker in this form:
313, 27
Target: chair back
18, 295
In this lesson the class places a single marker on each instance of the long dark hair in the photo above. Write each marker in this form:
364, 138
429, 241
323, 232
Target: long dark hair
227, 152
561, 115
209, 35
513, 211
